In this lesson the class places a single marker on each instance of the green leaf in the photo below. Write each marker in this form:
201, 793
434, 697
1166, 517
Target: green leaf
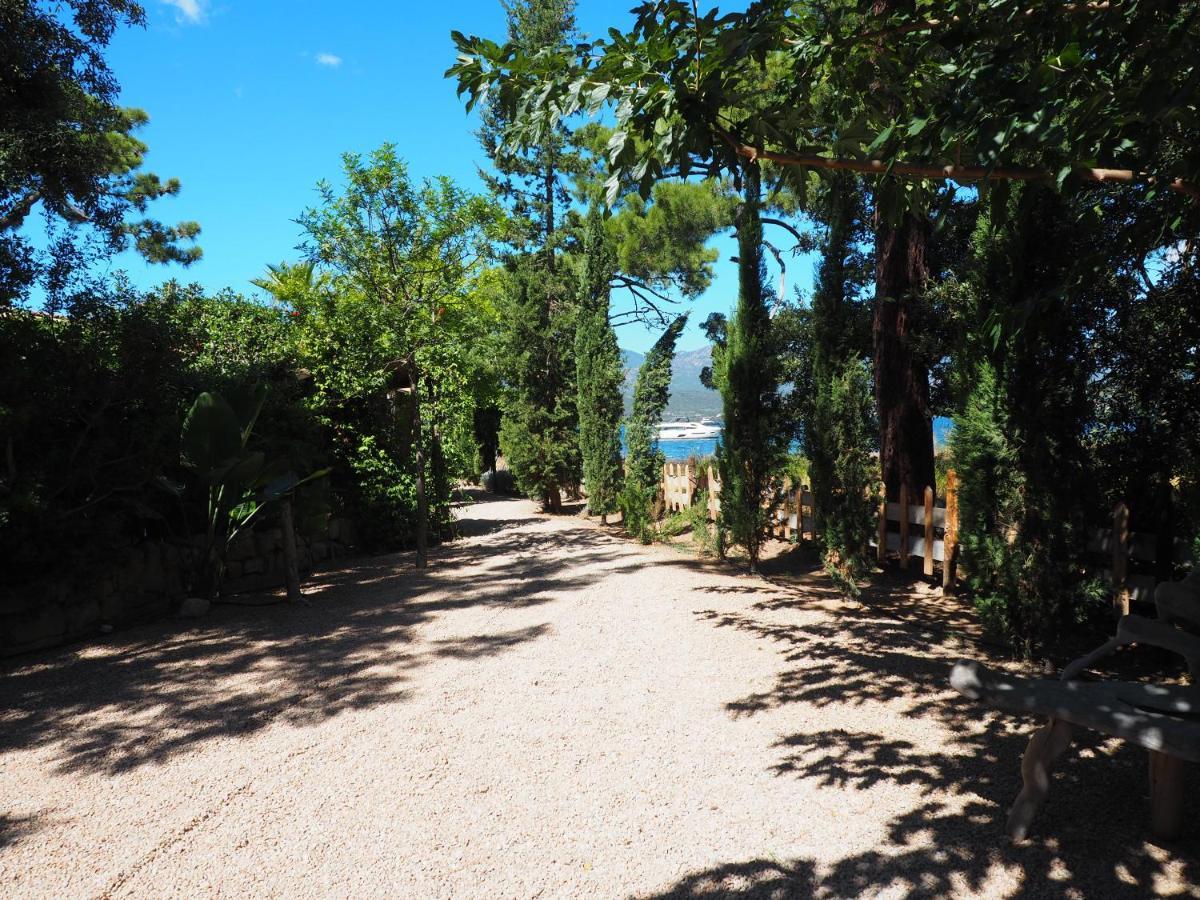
211, 436
882, 138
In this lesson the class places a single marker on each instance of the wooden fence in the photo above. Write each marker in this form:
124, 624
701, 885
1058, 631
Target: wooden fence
1122, 550
927, 529
928, 532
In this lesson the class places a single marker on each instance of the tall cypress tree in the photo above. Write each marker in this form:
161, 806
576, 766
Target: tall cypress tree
599, 375
1017, 442
539, 429
839, 431
754, 445
644, 461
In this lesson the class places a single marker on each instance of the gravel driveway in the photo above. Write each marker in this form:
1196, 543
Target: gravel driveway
548, 710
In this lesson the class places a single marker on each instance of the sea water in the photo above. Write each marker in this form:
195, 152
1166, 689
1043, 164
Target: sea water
679, 450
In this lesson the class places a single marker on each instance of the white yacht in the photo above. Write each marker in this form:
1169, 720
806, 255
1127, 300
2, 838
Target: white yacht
684, 430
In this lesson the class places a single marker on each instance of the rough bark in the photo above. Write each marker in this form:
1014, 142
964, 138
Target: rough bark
901, 379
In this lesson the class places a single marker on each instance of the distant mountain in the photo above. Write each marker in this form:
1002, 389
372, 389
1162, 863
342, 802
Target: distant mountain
689, 397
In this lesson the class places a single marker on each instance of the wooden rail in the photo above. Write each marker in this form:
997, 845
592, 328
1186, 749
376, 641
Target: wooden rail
927, 530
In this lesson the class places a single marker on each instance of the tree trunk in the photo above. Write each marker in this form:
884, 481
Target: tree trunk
901, 380
422, 500
291, 568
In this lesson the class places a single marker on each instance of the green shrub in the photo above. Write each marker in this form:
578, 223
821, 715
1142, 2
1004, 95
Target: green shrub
635, 502
704, 532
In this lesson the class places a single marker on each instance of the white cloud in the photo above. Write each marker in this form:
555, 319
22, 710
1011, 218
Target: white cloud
328, 59
191, 11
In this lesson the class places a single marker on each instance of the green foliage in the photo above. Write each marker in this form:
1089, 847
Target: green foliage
1017, 443
661, 244
68, 149
798, 469
644, 461
856, 81
850, 496
754, 447
1145, 439
988, 502
401, 258
539, 433
599, 374
89, 417
704, 534
532, 180
839, 424
636, 501
237, 482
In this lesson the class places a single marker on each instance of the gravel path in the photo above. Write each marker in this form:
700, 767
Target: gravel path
548, 710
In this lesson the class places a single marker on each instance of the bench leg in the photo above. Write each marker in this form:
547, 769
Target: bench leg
1047, 744
1166, 794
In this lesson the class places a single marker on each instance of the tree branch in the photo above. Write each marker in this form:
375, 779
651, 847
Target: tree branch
785, 226
782, 267
954, 172
15, 216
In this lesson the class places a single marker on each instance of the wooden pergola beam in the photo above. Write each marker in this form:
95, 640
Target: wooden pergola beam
1090, 174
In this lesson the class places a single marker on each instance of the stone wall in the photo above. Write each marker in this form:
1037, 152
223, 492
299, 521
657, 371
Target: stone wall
149, 583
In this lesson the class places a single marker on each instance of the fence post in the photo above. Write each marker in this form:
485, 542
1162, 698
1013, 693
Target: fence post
928, 570
714, 493
291, 570
950, 543
904, 527
1120, 559
881, 547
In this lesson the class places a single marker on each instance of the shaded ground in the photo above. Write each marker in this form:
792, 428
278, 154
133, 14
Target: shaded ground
547, 710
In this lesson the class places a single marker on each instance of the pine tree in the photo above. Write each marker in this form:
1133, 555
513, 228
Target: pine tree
72, 189
644, 461
754, 446
539, 431
599, 375
534, 182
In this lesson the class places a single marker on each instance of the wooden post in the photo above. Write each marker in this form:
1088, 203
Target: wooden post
1120, 559
950, 543
928, 570
904, 527
1166, 794
291, 571
881, 547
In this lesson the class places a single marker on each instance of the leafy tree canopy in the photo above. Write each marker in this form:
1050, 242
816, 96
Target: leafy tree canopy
1073, 93
68, 148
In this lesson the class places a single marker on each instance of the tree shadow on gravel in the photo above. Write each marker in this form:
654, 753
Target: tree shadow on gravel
1091, 839
757, 879
17, 828
151, 692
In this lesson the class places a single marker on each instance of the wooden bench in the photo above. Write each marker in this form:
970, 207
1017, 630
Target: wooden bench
1164, 719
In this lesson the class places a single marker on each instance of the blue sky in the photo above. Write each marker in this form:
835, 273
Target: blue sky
251, 102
